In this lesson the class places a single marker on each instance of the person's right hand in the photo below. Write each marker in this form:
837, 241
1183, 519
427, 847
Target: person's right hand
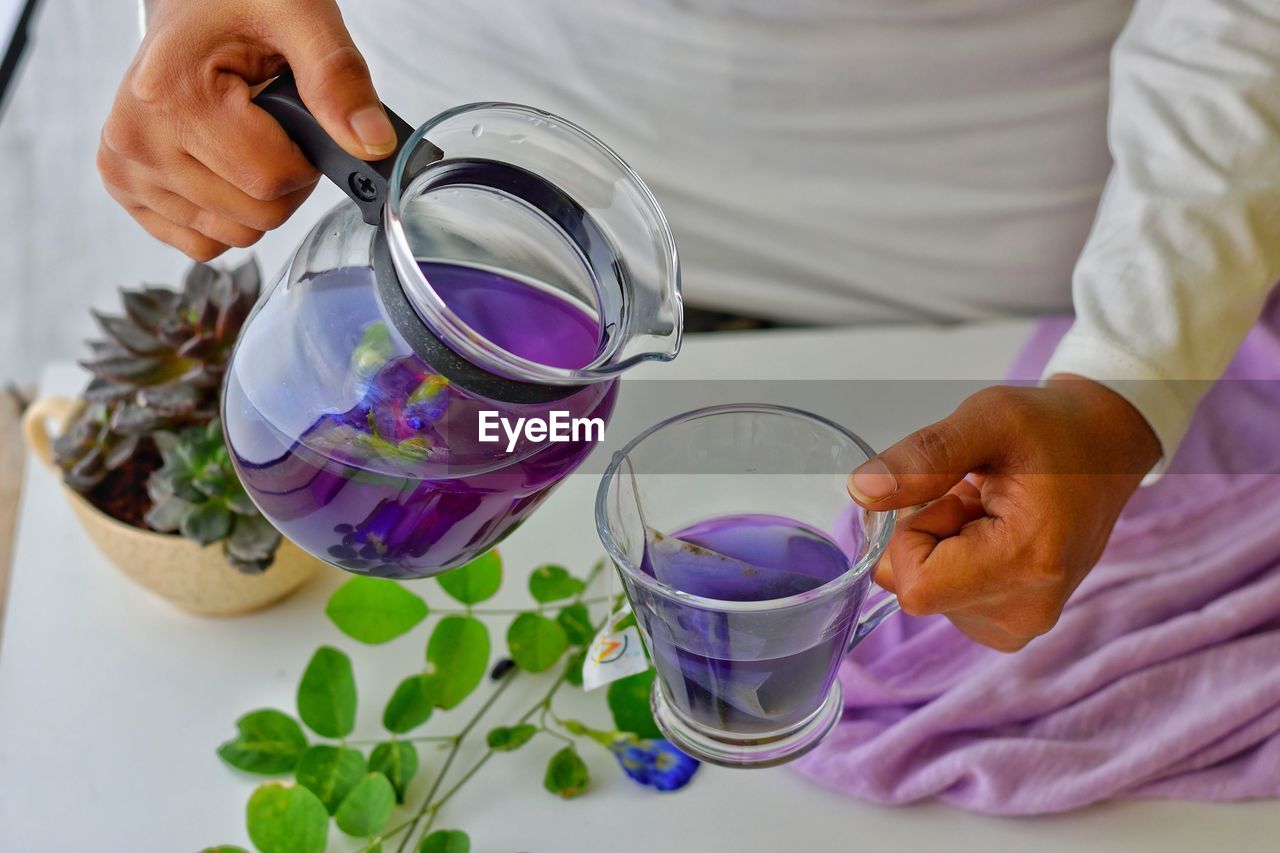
187, 153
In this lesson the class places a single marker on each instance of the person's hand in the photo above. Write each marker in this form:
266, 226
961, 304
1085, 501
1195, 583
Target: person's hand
1048, 471
186, 152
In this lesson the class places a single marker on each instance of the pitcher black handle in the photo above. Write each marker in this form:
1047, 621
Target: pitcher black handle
367, 182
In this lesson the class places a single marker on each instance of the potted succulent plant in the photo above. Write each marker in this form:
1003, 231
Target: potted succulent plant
142, 455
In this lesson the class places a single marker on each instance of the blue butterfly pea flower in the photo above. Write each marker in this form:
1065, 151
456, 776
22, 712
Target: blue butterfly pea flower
672, 769
656, 763
635, 762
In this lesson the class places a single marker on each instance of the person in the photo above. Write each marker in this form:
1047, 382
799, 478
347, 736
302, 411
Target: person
888, 162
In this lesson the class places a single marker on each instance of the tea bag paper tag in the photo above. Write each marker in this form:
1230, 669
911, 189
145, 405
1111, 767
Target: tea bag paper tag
614, 653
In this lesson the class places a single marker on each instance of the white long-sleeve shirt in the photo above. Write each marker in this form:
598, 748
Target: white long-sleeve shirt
871, 161
1186, 244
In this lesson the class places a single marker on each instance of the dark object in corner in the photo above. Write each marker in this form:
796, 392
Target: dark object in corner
17, 44
703, 320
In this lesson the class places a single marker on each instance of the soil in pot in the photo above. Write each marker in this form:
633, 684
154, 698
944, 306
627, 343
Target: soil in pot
122, 494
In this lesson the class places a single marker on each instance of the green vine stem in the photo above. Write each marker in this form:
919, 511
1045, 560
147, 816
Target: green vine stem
453, 753
459, 654
434, 808
431, 807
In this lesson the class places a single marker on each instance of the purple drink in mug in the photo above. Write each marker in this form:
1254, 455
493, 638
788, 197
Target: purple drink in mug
749, 570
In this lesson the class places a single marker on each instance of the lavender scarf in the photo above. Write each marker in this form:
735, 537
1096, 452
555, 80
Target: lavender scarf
1161, 680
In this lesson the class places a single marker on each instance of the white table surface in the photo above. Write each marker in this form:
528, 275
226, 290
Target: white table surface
112, 702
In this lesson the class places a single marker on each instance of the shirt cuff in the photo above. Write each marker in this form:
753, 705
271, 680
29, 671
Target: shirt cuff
1166, 404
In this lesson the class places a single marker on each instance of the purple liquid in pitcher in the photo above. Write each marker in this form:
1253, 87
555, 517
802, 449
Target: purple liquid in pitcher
395, 482
747, 673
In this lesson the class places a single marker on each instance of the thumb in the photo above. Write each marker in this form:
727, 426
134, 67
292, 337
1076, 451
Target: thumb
334, 82
925, 465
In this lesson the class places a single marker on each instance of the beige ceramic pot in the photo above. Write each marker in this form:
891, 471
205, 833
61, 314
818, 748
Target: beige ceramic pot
178, 570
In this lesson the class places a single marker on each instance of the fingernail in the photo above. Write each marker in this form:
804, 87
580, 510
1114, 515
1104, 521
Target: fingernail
872, 482
372, 127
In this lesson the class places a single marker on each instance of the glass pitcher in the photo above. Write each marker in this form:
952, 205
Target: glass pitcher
505, 264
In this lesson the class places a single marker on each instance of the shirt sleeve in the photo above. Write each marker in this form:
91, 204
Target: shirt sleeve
1186, 243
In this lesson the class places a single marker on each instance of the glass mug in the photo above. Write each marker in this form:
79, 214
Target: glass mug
748, 568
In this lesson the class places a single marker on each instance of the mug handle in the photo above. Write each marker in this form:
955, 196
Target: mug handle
871, 618
35, 424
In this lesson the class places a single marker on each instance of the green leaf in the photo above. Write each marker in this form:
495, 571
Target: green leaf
458, 654
573, 667
410, 706
182, 488
206, 522
213, 482
327, 694
510, 738
166, 513
398, 761
268, 742
629, 704
330, 772
253, 538
239, 502
287, 818
367, 807
446, 841
576, 621
374, 610
224, 848
476, 581
536, 642
566, 774
552, 583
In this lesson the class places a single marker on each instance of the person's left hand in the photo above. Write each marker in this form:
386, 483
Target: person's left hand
999, 553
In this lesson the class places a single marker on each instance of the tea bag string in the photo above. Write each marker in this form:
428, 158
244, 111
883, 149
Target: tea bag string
622, 611
635, 491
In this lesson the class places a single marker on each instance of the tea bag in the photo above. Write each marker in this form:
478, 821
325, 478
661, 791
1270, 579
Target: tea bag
739, 690
614, 652
701, 571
